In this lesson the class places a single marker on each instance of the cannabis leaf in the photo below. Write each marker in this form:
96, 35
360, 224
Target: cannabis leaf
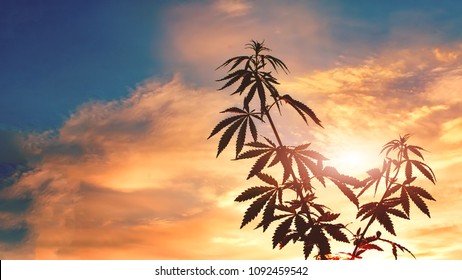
416, 194
301, 109
281, 231
242, 120
255, 208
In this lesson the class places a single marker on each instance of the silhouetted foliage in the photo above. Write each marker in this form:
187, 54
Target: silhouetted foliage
291, 203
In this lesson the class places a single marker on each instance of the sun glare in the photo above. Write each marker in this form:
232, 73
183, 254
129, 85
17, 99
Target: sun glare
353, 158
353, 161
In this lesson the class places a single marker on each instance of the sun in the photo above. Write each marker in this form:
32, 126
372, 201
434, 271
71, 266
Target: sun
353, 158
352, 161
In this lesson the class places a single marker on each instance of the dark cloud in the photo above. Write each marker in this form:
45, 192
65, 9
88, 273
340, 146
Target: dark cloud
16, 205
11, 150
14, 236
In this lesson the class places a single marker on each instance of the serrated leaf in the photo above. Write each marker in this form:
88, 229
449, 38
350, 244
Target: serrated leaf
312, 154
397, 213
253, 130
392, 190
307, 248
402, 248
261, 94
425, 170
405, 201
370, 246
301, 225
224, 123
301, 109
347, 192
368, 240
418, 202
252, 192
282, 157
227, 135
391, 202
255, 208
383, 218
267, 179
302, 171
422, 192
336, 233
328, 217
415, 150
270, 142
238, 61
259, 164
234, 110
268, 213
408, 181
252, 153
281, 231
302, 147
359, 253
275, 62
258, 145
374, 173
331, 172
318, 237
408, 170
232, 78
404, 153
309, 163
320, 178
241, 137
246, 81
366, 183
366, 209
274, 218
285, 208
237, 58
394, 251
250, 96
390, 146
283, 243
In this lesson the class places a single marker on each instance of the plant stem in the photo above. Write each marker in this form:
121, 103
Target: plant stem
278, 138
388, 185
299, 191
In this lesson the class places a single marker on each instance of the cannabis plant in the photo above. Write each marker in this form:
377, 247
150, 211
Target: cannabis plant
289, 200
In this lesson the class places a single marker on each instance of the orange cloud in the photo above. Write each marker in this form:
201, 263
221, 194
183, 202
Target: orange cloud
202, 36
136, 178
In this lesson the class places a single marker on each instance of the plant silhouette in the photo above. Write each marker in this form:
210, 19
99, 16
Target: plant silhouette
290, 201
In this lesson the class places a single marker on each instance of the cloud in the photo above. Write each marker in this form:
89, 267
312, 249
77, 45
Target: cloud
133, 178
201, 36
232, 8
11, 151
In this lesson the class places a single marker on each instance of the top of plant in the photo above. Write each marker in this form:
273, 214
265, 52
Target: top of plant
255, 77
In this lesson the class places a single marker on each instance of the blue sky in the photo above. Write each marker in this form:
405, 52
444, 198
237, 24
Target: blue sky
110, 102
56, 55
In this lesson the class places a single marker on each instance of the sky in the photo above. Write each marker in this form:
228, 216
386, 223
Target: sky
106, 106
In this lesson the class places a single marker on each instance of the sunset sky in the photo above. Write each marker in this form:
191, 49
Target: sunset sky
106, 106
